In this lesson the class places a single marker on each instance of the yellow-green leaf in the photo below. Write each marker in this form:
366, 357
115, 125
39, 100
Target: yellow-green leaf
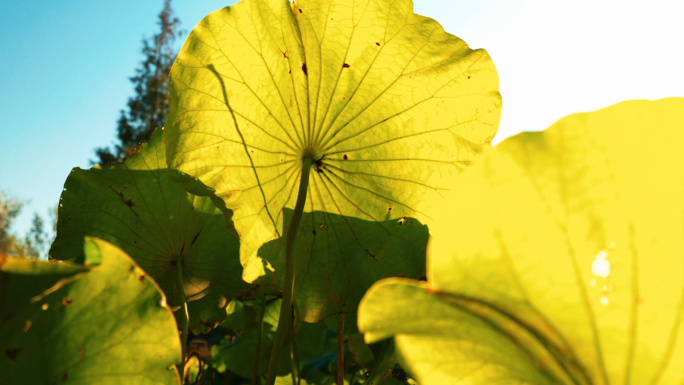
556, 259
137, 207
387, 104
108, 324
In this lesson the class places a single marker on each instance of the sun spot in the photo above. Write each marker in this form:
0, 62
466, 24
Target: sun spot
401, 221
600, 267
45, 306
604, 300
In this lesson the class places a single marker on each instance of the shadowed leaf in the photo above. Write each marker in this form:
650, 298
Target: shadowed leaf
135, 206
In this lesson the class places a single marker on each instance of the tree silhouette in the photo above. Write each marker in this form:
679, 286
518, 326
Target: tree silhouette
146, 110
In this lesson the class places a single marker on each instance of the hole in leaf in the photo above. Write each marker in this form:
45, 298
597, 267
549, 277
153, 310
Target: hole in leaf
45, 306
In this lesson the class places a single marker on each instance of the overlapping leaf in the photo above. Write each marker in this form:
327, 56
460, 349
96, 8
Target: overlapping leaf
558, 261
135, 206
107, 324
389, 106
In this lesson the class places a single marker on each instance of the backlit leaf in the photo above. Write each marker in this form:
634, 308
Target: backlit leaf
557, 260
387, 104
109, 324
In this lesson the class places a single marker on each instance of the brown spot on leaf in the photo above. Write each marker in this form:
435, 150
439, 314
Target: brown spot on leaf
378, 44
81, 352
141, 279
304, 68
193, 207
12, 353
345, 65
314, 232
67, 301
345, 157
195, 238
64, 376
371, 254
300, 10
27, 325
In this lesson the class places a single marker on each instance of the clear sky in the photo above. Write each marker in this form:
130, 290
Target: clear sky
65, 65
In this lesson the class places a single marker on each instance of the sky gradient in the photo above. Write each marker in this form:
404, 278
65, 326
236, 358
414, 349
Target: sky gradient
66, 66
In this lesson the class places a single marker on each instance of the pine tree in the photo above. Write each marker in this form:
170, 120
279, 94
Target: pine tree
146, 110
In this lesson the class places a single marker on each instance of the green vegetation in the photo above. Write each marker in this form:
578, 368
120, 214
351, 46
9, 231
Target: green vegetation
313, 154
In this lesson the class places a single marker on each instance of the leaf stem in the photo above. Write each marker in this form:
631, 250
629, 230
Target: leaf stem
340, 351
255, 371
184, 312
288, 287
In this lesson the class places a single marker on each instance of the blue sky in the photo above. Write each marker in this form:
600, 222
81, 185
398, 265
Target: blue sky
65, 66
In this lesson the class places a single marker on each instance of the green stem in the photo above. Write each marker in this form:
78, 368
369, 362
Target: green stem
288, 287
292, 367
296, 358
340, 351
255, 375
184, 312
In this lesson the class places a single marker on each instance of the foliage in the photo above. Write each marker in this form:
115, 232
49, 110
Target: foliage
385, 104
564, 266
34, 244
322, 146
105, 322
146, 110
135, 206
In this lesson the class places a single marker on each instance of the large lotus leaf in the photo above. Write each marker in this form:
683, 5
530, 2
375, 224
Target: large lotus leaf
387, 105
137, 207
559, 260
338, 258
108, 324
